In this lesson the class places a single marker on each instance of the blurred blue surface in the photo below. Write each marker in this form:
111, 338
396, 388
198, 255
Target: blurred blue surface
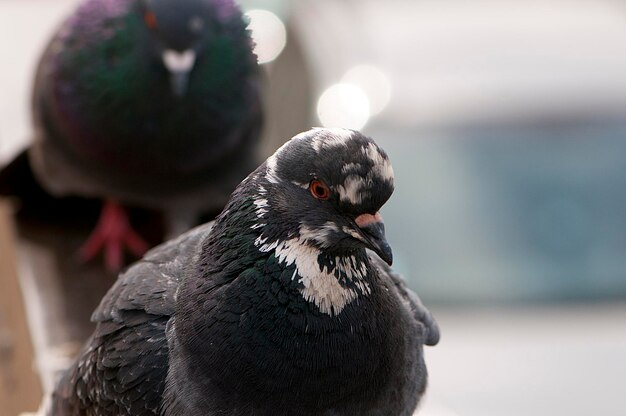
510, 212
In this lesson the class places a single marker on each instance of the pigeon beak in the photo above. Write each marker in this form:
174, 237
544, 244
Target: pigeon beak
373, 229
179, 65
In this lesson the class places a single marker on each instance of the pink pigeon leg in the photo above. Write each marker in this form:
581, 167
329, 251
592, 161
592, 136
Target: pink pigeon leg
112, 235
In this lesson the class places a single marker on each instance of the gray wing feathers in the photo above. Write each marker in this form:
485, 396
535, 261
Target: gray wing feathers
123, 367
150, 284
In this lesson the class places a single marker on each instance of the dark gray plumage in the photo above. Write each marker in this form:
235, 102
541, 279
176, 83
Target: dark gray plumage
277, 308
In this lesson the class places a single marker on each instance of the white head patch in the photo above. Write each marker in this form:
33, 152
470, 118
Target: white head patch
355, 188
330, 137
320, 235
382, 167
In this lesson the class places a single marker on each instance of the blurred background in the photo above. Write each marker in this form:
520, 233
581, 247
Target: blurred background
506, 125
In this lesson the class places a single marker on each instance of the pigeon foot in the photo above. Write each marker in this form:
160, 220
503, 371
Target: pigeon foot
112, 235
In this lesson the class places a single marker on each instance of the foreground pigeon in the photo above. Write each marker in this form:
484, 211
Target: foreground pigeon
148, 103
277, 308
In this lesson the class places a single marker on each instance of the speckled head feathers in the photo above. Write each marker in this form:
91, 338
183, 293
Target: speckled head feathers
357, 171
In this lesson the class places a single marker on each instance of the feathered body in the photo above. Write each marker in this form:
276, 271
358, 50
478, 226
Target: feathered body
232, 319
108, 124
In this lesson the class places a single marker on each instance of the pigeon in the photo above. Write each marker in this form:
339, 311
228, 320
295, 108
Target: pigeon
147, 103
286, 304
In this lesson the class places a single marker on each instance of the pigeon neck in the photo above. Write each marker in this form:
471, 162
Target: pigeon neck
328, 281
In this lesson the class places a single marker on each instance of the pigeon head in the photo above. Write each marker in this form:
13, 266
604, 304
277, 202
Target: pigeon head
180, 30
316, 203
326, 186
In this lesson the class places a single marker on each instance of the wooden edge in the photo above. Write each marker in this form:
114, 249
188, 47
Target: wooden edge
20, 385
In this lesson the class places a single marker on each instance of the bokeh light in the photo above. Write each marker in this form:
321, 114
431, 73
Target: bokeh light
373, 82
343, 105
269, 34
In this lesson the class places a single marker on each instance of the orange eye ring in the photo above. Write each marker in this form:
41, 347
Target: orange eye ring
319, 189
150, 19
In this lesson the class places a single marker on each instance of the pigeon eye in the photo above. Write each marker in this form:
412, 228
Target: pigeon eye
150, 19
319, 189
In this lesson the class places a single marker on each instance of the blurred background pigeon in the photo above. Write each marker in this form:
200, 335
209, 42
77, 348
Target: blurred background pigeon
152, 104
278, 308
